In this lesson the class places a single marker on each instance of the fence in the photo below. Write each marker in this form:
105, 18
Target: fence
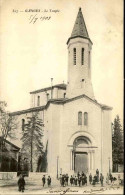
7, 175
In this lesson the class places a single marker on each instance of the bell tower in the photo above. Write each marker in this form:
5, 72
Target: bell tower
79, 60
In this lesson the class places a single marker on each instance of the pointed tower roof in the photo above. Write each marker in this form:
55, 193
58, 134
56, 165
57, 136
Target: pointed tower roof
79, 29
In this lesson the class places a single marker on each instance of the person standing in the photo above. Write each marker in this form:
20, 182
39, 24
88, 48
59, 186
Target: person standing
101, 179
49, 181
67, 179
60, 178
71, 180
43, 180
119, 179
79, 180
111, 178
90, 178
97, 173
76, 181
85, 180
94, 180
82, 173
78, 174
21, 183
107, 179
64, 180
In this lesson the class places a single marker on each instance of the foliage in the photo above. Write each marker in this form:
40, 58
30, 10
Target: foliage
32, 137
8, 125
117, 142
3, 104
42, 161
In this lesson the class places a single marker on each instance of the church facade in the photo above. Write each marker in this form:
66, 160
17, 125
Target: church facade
76, 127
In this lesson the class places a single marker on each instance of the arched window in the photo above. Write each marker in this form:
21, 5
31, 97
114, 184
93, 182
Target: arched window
74, 56
82, 56
64, 95
38, 101
80, 118
47, 96
23, 124
85, 118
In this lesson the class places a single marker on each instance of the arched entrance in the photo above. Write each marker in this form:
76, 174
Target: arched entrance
82, 147
80, 156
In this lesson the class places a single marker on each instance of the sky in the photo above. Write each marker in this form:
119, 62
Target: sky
33, 53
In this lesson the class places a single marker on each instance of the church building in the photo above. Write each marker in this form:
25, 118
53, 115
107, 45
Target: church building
76, 127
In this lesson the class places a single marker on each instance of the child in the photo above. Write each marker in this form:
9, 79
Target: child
49, 181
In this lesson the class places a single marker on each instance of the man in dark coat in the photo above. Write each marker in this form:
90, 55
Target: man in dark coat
97, 173
63, 180
21, 183
71, 180
79, 180
43, 180
82, 173
90, 178
101, 179
49, 181
76, 179
94, 180
78, 174
111, 177
85, 180
67, 179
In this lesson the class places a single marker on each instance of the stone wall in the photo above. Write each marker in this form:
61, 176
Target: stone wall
8, 175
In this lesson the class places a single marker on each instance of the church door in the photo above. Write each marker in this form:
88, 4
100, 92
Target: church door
81, 162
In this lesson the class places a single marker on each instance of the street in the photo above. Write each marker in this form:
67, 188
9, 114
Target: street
32, 187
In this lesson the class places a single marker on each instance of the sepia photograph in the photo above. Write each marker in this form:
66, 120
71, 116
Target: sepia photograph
61, 97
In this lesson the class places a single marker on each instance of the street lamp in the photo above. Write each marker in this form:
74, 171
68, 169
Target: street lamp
57, 165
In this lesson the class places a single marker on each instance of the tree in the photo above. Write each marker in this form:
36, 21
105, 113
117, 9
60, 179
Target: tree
117, 143
3, 104
42, 161
8, 125
32, 137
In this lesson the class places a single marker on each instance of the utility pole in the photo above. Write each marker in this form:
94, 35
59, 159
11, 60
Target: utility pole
57, 165
51, 88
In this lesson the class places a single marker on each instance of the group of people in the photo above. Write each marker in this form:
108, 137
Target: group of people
110, 179
75, 180
81, 179
64, 179
48, 181
96, 179
21, 182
